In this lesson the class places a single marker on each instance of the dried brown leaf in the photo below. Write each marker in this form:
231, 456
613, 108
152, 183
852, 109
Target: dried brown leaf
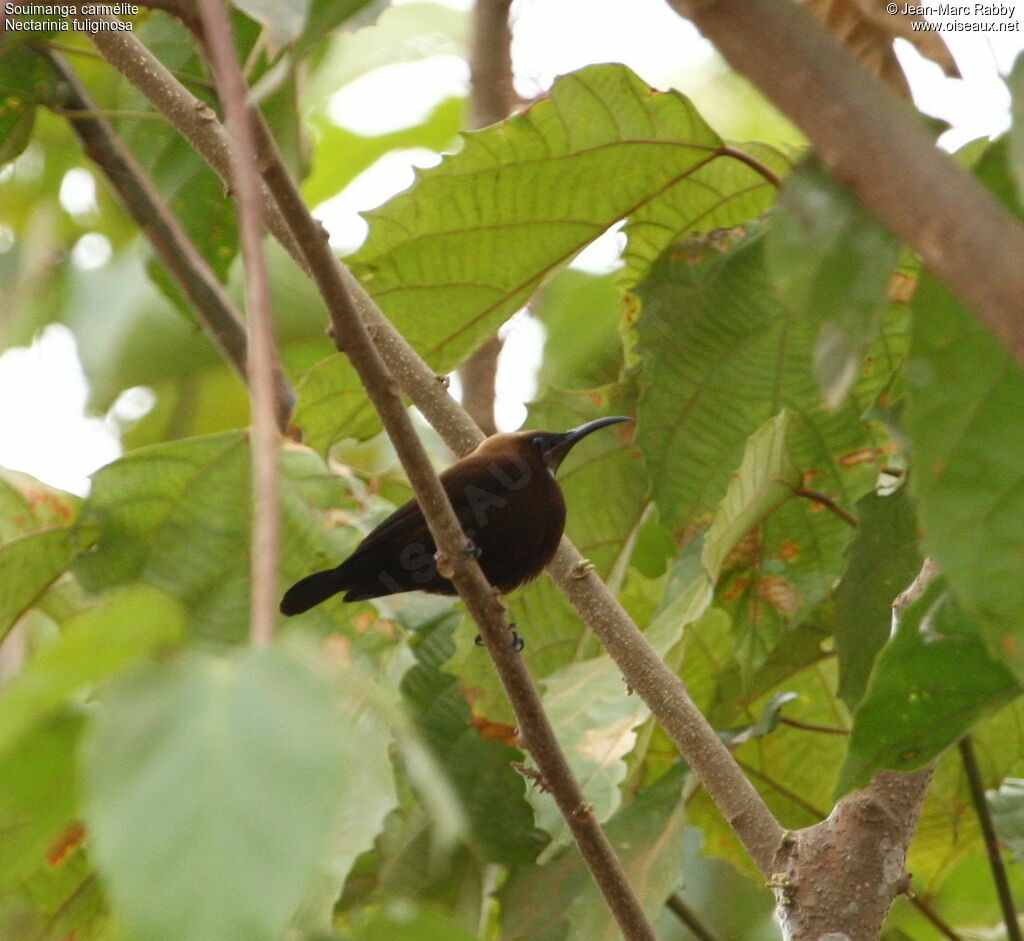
867, 29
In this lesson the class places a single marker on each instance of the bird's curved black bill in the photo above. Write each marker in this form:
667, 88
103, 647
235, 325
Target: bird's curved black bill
562, 443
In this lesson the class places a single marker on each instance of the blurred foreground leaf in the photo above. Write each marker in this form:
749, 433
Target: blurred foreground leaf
210, 788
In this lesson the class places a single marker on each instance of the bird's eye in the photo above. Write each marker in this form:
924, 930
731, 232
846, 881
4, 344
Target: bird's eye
538, 442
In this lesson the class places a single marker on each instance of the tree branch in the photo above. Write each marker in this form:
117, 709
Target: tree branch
874, 145
824, 869
491, 98
485, 606
662, 691
213, 308
263, 361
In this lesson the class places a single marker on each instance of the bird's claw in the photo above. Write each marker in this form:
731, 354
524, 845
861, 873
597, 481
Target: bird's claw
472, 550
517, 641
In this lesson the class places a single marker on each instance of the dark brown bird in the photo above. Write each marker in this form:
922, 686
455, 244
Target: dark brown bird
511, 509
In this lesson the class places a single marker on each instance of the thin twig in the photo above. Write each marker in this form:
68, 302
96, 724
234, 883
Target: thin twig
811, 727
108, 115
988, 831
262, 363
213, 308
823, 499
928, 912
643, 669
689, 917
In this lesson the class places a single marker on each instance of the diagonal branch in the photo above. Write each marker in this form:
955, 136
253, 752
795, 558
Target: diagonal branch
485, 607
645, 673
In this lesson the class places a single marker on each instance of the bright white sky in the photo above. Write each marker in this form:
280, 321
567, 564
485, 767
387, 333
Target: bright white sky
551, 37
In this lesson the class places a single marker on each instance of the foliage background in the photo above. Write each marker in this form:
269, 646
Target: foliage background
201, 765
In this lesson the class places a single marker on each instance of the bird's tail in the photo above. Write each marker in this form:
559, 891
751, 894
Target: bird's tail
311, 590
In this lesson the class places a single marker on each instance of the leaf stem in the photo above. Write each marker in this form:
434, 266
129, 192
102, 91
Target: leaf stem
756, 165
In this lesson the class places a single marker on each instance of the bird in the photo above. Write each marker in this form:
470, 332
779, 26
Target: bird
508, 502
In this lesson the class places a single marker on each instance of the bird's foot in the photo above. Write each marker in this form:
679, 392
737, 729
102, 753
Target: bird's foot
517, 641
581, 568
472, 550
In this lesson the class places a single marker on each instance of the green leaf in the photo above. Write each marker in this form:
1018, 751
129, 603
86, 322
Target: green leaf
575, 358
25, 83
183, 179
27, 504
882, 561
58, 901
210, 787
37, 795
30, 563
453, 257
37, 541
333, 405
966, 396
596, 727
492, 792
831, 262
721, 357
764, 479
341, 155
124, 627
177, 515
931, 683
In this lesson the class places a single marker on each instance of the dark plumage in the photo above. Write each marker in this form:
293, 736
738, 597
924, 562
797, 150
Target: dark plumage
506, 498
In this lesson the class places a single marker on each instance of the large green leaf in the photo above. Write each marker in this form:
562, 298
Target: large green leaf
930, 684
454, 256
178, 516
210, 789
125, 626
966, 396
831, 261
575, 358
721, 356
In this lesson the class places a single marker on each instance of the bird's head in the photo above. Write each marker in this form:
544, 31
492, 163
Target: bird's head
550, 446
